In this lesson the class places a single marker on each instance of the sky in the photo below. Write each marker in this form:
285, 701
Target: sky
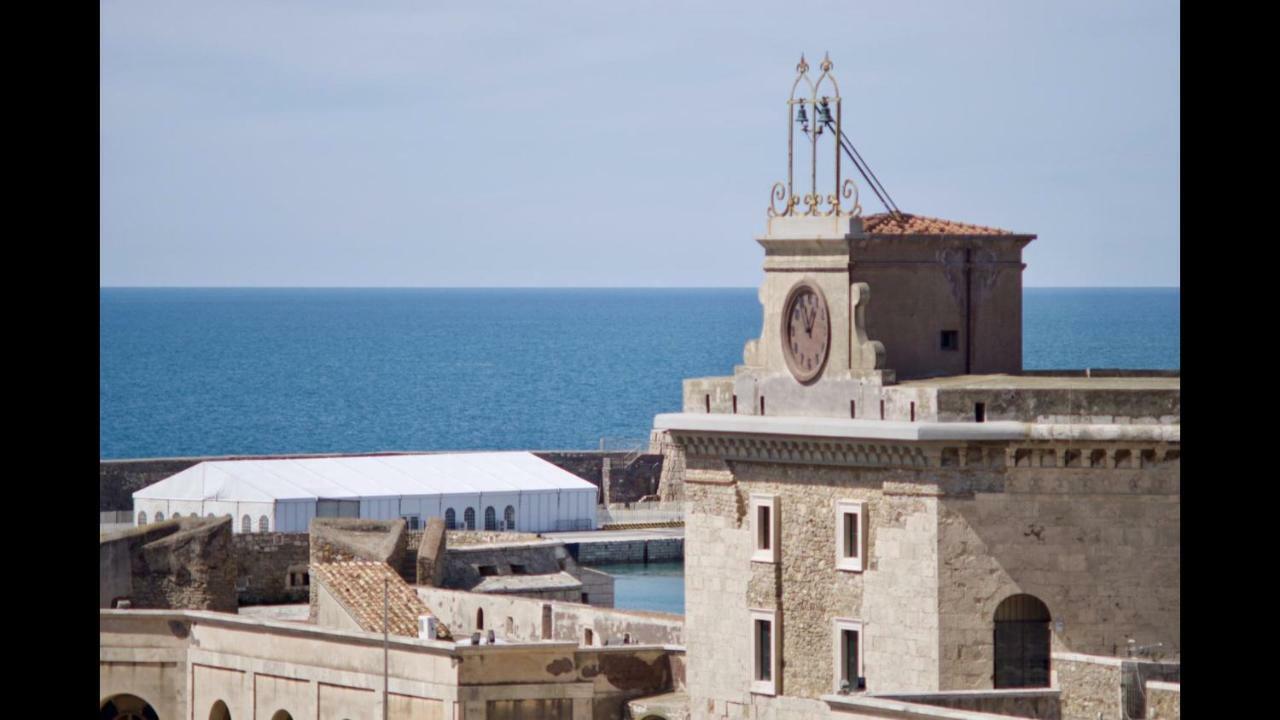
589, 144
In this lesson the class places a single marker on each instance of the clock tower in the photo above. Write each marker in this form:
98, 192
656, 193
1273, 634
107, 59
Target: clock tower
847, 295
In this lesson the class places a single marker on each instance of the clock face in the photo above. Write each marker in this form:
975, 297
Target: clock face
806, 331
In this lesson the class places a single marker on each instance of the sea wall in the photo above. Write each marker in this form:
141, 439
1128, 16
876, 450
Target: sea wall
119, 479
603, 552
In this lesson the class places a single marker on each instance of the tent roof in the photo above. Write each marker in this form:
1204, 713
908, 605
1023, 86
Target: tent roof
363, 477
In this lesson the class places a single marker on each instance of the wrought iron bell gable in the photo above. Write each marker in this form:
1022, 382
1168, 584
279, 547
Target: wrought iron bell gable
805, 91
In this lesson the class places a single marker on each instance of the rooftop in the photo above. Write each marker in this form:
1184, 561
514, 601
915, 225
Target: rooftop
358, 585
1047, 382
908, 224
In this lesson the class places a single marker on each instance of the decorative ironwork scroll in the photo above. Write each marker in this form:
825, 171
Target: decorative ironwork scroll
815, 114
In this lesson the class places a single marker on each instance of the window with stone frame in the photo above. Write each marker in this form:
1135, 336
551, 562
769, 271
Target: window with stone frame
764, 528
764, 652
851, 535
847, 650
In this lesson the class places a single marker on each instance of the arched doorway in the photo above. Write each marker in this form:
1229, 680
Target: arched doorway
282, 715
1021, 643
219, 711
127, 707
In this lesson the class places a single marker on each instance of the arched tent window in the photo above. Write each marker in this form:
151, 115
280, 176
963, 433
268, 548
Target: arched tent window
480, 618
142, 518
159, 517
246, 524
177, 515
219, 711
450, 519
509, 517
209, 515
1021, 643
263, 524
490, 519
469, 517
282, 715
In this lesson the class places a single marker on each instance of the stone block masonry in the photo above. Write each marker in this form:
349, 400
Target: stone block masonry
605, 552
271, 568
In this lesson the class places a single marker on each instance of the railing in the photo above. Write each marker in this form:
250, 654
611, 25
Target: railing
632, 447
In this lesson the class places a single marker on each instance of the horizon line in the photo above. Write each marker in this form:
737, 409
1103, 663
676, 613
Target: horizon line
558, 287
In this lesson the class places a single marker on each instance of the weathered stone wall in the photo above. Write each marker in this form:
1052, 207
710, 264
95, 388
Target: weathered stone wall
627, 483
604, 552
263, 563
1039, 704
461, 563
192, 569
115, 558
1099, 546
1090, 686
1164, 700
522, 619
431, 551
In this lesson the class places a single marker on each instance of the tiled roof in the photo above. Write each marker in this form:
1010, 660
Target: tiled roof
358, 585
908, 224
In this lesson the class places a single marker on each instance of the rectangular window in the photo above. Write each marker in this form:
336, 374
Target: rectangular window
849, 675
851, 534
764, 645
979, 412
950, 340
764, 528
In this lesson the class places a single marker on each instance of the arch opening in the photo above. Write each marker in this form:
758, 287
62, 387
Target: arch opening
1022, 642
127, 707
219, 711
509, 518
490, 518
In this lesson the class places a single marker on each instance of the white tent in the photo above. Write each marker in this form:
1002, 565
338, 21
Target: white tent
484, 490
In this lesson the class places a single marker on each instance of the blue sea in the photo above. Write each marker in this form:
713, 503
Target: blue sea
231, 371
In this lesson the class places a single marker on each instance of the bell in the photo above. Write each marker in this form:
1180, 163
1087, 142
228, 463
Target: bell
802, 118
824, 113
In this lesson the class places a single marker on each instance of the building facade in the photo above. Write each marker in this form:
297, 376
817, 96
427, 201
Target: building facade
858, 528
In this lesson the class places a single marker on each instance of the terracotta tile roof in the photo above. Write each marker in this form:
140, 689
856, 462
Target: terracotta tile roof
358, 586
908, 224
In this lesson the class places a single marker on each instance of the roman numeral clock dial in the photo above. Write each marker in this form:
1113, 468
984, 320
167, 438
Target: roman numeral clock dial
806, 331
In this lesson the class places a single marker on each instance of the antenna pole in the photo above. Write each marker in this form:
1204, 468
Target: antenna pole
386, 652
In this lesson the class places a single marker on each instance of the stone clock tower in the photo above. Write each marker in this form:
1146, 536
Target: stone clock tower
847, 296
